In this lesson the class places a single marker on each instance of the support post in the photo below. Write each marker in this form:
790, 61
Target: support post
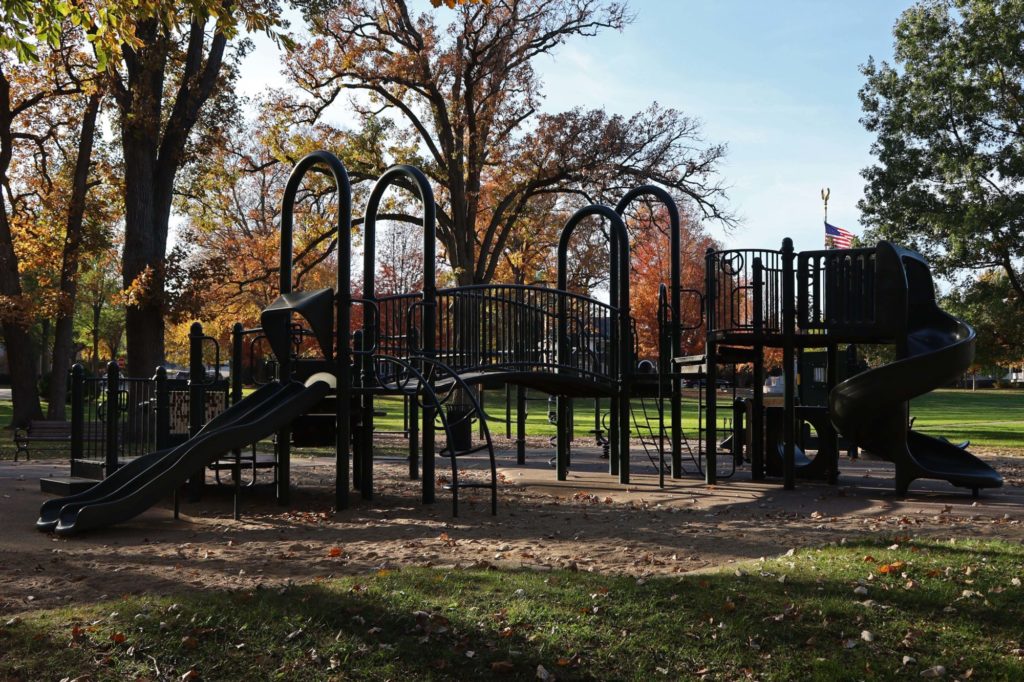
788, 362
508, 411
831, 379
110, 450
237, 332
414, 435
77, 411
520, 425
711, 376
163, 409
196, 401
562, 437
756, 424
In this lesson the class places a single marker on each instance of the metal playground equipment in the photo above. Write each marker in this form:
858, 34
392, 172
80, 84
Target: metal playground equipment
435, 349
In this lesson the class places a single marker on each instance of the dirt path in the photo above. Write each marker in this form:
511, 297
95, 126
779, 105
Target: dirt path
589, 523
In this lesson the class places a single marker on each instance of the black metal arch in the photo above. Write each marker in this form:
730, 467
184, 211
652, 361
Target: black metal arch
618, 285
401, 175
675, 340
621, 340
342, 301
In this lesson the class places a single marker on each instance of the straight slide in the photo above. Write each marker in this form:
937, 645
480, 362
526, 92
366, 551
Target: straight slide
142, 483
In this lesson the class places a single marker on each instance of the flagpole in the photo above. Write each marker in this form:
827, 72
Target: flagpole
825, 194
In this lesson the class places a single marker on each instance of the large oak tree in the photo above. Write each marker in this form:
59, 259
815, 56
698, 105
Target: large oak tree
948, 116
468, 94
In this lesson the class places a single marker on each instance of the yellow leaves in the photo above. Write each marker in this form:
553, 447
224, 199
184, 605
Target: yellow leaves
893, 568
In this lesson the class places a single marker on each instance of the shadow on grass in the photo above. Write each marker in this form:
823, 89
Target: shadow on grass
793, 618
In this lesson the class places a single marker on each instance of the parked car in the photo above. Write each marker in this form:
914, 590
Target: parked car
774, 386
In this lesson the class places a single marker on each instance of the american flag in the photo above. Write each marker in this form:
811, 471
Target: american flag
837, 237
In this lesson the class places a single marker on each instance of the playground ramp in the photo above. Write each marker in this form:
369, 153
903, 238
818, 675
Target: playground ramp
139, 485
870, 408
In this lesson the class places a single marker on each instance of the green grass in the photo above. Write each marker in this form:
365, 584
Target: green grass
992, 418
988, 418
794, 617
537, 423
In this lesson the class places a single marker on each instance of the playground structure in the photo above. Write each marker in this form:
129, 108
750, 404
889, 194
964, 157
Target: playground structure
436, 348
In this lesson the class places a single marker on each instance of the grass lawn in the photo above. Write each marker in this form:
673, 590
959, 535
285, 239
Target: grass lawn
993, 418
988, 418
893, 607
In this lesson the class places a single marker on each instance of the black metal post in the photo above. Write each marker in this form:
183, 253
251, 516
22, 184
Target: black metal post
756, 424
520, 425
711, 374
414, 435
237, 332
196, 401
508, 411
112, 398
414, 420
77, 411
788, 361
163, 409
831, 379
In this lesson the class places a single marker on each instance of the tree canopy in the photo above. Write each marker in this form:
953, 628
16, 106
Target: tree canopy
467, 94
948, 116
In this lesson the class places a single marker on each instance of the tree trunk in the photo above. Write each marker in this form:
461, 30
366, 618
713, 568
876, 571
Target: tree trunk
20, 361
64, 328
145, 243
18, 341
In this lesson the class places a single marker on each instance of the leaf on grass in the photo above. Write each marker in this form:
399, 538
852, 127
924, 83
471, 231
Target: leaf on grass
189, 642
543, 675
118, 638
502, 667
334, 552
894, 567
934, 671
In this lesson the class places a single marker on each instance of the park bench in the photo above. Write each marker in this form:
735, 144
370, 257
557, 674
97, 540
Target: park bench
52, 431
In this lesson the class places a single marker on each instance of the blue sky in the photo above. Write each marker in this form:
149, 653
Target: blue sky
776, 81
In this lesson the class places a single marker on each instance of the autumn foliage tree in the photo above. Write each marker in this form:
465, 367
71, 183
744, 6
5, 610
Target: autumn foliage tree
650, 261
469, 96
49, 107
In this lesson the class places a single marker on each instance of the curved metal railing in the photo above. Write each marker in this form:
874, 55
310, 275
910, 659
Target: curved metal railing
502, 327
